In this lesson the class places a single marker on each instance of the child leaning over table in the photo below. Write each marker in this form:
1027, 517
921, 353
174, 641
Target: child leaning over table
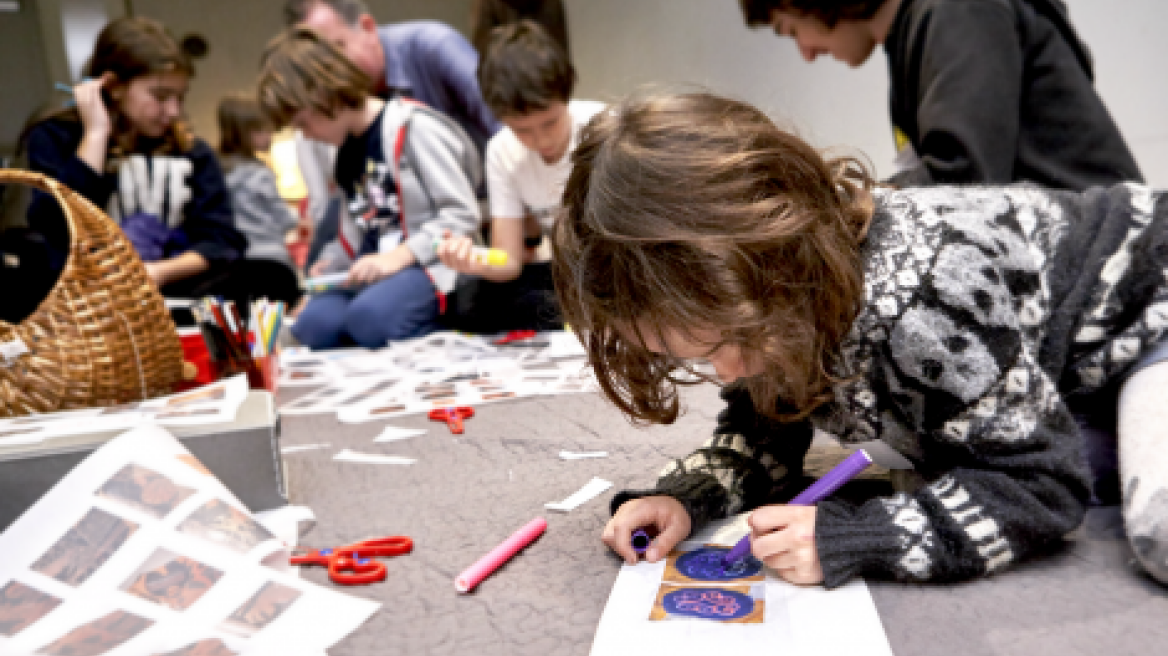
408, 174
961, 326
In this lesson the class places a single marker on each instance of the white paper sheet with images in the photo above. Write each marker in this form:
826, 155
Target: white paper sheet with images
799, 621
350, 382
210, 404
142, 507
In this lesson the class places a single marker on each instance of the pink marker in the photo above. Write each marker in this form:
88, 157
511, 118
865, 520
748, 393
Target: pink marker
499, 555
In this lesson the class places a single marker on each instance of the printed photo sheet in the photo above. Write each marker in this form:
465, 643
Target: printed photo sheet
210, 404
686, 604
441, 370
141, 551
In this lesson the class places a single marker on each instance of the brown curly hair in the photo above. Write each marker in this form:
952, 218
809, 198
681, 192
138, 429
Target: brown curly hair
688, 211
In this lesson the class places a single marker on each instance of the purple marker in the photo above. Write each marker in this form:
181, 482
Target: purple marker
641, 541
831, 481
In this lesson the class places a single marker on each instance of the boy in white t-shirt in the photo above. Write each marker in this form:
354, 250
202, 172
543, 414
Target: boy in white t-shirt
526, 80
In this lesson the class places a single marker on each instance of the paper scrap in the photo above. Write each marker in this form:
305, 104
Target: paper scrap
569, 455
285, 523
372, 459
590, 491
393, 434
303, 447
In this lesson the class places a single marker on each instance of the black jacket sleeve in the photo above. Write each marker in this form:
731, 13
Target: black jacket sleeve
969, 67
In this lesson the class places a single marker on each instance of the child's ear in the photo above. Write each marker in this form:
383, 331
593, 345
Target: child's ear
367, 23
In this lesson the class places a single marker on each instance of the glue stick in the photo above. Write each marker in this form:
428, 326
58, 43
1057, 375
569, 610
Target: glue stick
481, 255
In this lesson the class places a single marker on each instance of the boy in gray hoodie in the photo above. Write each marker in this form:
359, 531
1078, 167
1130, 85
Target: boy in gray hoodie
408, 174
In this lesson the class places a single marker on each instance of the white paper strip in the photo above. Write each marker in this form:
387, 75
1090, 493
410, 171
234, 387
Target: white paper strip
393, 434
590, 491
372, 459
569, 455
303, 447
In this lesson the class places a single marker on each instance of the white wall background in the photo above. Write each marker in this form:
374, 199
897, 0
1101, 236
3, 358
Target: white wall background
1127, 40
619, 44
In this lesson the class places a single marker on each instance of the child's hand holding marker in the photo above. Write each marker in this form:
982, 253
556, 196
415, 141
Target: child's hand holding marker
665, 514
783, 538
460, 253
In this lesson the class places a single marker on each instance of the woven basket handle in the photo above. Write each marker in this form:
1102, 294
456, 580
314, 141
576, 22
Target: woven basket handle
49, 186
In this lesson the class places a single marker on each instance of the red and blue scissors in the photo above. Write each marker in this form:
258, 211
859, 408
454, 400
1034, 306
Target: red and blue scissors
453, 416
355, 564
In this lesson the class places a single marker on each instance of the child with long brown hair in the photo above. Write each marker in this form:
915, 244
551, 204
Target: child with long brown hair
260, 212
126, 147
960, 326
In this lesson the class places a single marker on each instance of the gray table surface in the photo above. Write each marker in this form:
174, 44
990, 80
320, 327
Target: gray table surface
467, 493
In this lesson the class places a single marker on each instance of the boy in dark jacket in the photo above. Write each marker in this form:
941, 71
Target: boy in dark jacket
982, 91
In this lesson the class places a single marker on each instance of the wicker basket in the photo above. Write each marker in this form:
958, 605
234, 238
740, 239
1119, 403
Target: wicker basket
102, 336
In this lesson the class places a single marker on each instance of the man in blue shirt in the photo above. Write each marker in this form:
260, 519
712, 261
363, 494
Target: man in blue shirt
425, 60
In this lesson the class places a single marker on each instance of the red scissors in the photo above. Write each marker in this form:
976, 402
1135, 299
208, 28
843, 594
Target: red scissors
354, 564
453, 416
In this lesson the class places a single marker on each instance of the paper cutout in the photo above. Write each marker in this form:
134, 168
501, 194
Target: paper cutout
372, 459
303, 447
569, 455
736, 604
591, 490
704, 564
393, 434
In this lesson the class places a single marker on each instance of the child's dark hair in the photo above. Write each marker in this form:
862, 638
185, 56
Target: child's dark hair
129, 48
300, 70
350, 11
239, 118
691, 212
524, 70
758, 13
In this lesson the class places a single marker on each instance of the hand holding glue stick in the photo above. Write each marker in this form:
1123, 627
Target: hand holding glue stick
460, 254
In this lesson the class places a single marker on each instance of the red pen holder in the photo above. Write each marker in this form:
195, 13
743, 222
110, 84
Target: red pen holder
195, 352
264, 375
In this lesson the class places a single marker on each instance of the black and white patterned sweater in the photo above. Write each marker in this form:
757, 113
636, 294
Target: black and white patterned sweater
987, 311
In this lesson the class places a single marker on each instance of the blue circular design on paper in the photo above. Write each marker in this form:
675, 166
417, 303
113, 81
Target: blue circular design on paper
708, 603
705, 564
